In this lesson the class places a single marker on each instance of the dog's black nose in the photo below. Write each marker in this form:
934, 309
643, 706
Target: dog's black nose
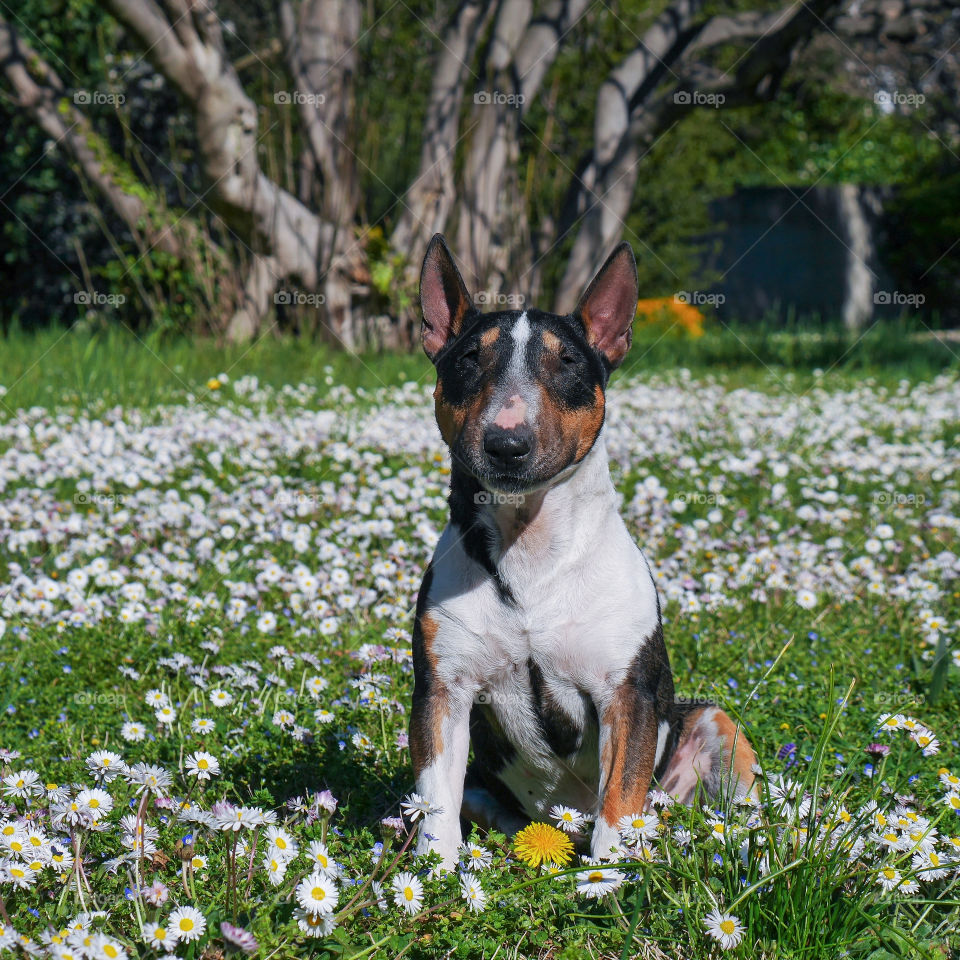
507, 448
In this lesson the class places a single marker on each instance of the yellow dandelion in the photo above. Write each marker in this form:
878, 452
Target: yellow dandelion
541, 843
213, 384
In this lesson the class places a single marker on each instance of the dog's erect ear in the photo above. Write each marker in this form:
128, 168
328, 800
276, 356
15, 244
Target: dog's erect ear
609, 304
443, 297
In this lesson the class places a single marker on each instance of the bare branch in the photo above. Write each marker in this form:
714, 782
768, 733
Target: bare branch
40, 93
429, 199
604, 190
186, 46
493, 236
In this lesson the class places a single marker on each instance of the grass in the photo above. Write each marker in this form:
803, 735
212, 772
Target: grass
116, 365
220, 496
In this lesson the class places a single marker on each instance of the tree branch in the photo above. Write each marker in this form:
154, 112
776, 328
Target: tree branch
185, 45
604, 190
39, 92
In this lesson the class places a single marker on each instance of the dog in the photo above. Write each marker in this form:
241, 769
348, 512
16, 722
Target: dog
537, 638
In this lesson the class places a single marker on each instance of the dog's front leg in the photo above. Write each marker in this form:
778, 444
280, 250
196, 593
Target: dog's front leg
628, 748
439, 742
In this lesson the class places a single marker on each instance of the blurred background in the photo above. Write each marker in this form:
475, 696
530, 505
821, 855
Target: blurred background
240, 170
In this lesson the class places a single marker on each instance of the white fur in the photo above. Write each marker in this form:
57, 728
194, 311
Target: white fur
585, 603
517, 382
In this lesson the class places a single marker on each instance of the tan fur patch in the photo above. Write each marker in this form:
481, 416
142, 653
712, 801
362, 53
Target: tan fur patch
571, 433
490, 337
450, 419
625, 790
426, 734
456, 324
551, 342
737, 747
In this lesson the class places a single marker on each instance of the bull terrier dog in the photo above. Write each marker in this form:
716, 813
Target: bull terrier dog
538, 639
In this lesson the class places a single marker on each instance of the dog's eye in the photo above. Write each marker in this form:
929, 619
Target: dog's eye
470, 357
567, 359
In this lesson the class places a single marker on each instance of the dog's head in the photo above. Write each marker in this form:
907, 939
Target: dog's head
520, 393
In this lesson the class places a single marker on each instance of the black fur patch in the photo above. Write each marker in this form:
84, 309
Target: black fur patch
475, 535
559, 729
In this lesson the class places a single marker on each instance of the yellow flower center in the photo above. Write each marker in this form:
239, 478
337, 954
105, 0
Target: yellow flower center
408, 893
186, 924
727, 926
318, 893
159, 934
595, 877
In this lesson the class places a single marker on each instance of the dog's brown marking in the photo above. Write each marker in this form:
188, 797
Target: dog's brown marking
552, 342
456, 325
430, 700
450, 419
711, 755
738, 755
570, 431
695, 760
628, 753
489, 337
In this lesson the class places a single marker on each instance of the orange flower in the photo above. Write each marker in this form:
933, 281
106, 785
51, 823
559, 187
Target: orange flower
673, 312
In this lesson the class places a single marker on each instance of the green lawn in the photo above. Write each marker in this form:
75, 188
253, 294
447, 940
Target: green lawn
231, 567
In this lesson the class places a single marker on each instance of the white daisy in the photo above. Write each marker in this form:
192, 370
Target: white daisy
407, 892
317, 893
725, 928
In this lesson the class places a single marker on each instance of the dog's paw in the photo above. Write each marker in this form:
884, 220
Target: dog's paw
605, 842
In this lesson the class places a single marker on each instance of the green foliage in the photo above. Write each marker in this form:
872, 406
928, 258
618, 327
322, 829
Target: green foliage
818, 129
